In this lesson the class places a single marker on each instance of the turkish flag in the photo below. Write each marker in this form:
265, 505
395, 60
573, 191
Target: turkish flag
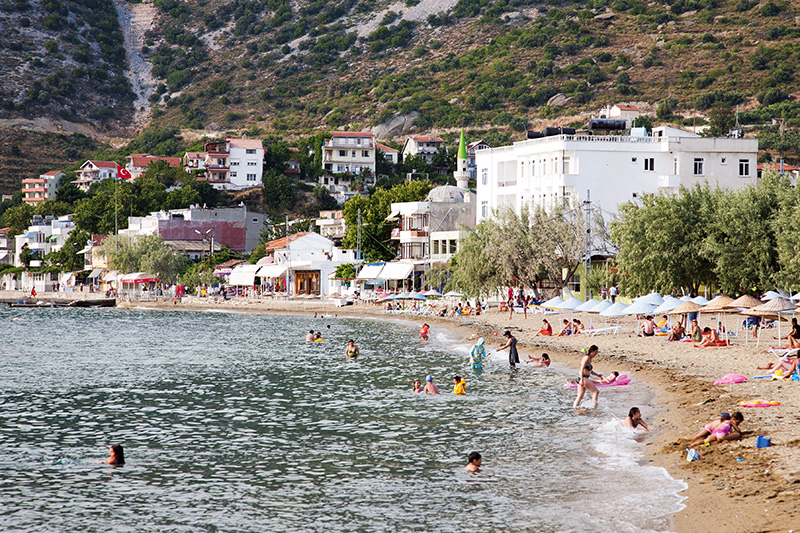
123, 173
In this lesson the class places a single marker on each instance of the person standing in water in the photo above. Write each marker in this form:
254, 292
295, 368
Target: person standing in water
352, 351
511, 344
583, 381
430, 386
635, 419
423, 331
477, 355
459, 386
310, 336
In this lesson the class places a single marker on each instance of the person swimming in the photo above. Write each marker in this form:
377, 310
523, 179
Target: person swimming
544, 360
473, 462
459, 386
117, 456
310, 336
351, 351
417, 386
424, 332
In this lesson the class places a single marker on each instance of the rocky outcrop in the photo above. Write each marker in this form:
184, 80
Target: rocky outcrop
395, 126
135, 20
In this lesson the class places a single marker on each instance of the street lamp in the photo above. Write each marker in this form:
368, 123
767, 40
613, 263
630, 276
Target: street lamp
203, 236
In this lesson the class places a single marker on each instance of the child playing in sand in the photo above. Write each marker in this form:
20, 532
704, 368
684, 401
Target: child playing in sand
635, 419
725, 428
544, 360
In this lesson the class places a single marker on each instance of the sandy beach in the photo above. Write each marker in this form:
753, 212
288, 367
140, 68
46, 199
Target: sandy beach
735, 487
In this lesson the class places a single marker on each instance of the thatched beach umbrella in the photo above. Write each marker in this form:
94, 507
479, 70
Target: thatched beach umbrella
773, 308
717, 305
741, 303
685, 308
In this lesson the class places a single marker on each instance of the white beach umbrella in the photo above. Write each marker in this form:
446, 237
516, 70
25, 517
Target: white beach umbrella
700, 300
552, 302
670, 303
640, 307
770, 295
796, 296
569, 305
587, 306
686, 298
652, 298
602, 306
616, 310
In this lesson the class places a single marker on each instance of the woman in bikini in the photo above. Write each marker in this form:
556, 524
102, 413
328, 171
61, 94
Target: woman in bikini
583, 381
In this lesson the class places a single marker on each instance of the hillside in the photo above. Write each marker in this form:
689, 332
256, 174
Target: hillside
296, 67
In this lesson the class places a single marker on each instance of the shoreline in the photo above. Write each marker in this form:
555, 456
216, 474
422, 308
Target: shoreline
753, 488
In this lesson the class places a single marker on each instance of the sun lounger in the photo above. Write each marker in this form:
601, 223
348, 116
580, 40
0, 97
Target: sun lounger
782, 353
604, 331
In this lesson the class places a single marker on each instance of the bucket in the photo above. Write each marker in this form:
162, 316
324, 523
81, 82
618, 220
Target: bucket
763, 442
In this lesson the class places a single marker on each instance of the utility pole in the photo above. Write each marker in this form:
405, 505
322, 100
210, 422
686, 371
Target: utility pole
587, 246
116, 223
289, 256
358, 237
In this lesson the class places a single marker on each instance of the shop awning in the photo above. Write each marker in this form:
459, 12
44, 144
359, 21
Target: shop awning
111, 276
85, 250
3, 255
244, 275
95, 273
370, 271
272, 271
138, 277
396, 271
393, 214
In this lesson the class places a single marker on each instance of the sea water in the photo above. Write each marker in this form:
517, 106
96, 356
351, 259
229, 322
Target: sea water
230, 422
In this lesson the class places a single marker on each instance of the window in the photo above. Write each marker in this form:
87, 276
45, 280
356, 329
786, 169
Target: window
364, 153
634, 159
234, 163
698, 166
723, 161
484, 176
452, 246
649, 164
566, 165
233, 174
250, 151
435, 247
533, 167
353, 153
342, 153
358, 141
252, 163
744, 167
251, 177
484, 209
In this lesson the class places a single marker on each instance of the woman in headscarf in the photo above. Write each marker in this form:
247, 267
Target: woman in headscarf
477, 355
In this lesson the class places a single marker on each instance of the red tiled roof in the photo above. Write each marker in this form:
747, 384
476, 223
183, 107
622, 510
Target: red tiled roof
230, 263
351, 134
628, 107
281, 243
427, 139
97, 240
144, 160
101, 164
384, 148
777, 166
52, 173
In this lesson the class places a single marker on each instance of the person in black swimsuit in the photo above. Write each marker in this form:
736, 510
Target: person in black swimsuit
511, 344
794, 336
583, 381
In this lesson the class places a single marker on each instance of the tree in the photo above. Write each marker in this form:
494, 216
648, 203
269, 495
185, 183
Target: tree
474, 271
278, 192
665, 109
376, 243
17, 219
721, 119
67, 257
661, 242
147, 253
744, 233
69, 193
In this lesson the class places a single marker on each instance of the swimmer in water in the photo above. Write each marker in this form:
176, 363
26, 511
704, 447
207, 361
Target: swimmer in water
544, 360
310, 336
430, 386
473, 462
423, 331
117, 456
318, 336
417, 386
351, 352
635, 419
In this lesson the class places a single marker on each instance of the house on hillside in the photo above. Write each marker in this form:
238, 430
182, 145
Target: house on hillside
790, 171
44, 235
391, 155
349, 152
232, 164
331, 224
6, 247
625, 112
94, 171
37, 190
423, 146
293, 163
137, 163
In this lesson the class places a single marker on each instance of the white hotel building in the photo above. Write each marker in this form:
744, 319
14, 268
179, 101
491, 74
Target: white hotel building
613, 169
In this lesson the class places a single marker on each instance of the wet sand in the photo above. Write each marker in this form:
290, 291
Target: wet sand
725, 494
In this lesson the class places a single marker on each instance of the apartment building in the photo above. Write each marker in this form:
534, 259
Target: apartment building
349, 152
422, 146
37, 190
232, 164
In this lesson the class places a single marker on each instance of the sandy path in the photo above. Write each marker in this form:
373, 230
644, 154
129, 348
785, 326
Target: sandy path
135, 20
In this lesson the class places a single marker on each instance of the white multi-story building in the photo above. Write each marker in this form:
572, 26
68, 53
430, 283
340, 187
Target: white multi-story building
331, 224
626, 112
36, 190
611, 169
44, 235
390, 154
422, 146
94, 171
349, 152
472, 148
232, 164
